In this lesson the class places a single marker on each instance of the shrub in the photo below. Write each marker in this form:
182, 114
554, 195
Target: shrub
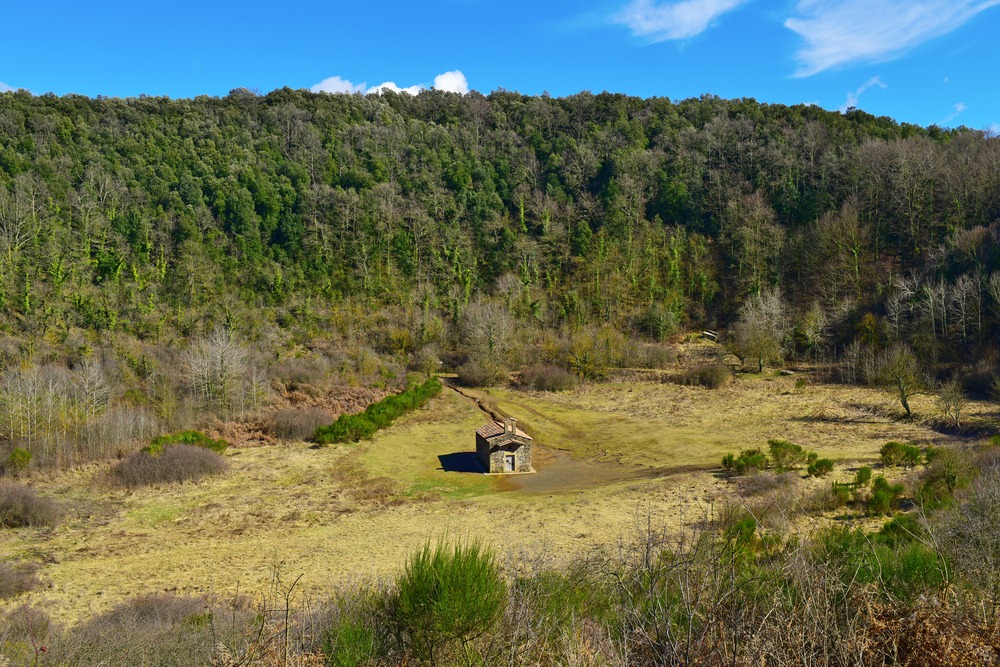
820, 468
711, 376
17, 462
748, 461
884, 496
193, 438
786, 455
897, 453
448, 594
765, 482
477, 374
548, 377
653, 355
352, 428
349, 644
21, 506
863, 476
175, 463
17, 578
841, 493
298, 423
948, 470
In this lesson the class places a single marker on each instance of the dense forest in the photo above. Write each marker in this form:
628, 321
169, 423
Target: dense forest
412, 227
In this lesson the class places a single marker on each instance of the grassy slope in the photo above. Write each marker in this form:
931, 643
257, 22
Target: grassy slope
338, 513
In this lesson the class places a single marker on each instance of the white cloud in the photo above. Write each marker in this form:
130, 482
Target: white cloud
391, 85
4, 88
452, 82
840, 32
852, 98
958, 108
335, 84
993, 130
659, 22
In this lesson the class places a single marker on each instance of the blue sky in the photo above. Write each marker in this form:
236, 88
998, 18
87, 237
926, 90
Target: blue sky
925, 62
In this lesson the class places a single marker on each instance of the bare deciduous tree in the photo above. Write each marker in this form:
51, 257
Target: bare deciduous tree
760, 332
217, 372
897, 370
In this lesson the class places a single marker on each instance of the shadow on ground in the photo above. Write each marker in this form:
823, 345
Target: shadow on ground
460, 462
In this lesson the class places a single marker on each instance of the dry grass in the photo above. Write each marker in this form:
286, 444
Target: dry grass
341, 512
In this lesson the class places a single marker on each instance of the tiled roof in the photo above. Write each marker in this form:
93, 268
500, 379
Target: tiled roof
496, 428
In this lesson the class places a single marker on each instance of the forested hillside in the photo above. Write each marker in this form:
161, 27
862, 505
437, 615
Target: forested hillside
150, 214
421, 224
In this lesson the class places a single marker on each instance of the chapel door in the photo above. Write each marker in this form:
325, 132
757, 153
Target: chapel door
509, 463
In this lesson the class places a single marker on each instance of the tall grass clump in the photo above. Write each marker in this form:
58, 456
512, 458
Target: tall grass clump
361, 426
173, 464
448, 597
21, 506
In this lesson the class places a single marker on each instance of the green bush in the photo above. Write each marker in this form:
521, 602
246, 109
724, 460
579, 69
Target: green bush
349, 644
948, 471
863, 476
448, 595
748, 461
897, 453
786, 455
885, 495
18, 461
841, 493
193, 438
820, 468
362, 426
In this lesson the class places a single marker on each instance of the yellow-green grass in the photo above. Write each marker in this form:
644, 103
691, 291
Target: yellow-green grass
339, 513
409, 452
660, 425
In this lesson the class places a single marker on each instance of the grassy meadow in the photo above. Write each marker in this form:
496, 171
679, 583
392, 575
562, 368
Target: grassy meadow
608, 456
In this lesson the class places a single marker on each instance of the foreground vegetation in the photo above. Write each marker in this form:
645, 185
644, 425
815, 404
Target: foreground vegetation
921, 591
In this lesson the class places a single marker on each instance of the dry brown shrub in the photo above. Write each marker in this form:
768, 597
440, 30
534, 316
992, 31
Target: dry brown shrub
655, 355
17, 578
930, 634
765, 482
176, 463
21, 506
298, 423
547, 377
712, 376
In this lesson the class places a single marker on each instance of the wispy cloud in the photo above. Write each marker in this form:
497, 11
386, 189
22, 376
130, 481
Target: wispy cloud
994, 130
452, 82
841, 32
958, 109
661, 21
4, 88
852, 98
